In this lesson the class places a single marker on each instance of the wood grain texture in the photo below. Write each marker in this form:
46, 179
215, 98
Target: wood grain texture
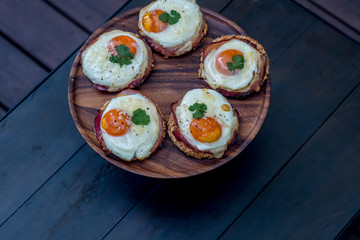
89, 13
168, 82
201, 206
321, 185
275, 24
214, 5
346, 10
303, 95
40, 30
18, 74
83, 200
343, 15
24, 172
28, 157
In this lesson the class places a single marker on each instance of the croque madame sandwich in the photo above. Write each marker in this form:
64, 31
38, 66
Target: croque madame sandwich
234, 65
130, 126
117, 60
172, 27
203, 124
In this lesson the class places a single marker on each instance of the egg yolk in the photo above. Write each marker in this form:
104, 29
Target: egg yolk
225, 107
205, 130
152, 23
223, 58
115, 122
125, 40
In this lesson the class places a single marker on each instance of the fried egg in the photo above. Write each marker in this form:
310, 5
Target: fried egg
216, 71
212, 132
168, 35
121, 135
101, 71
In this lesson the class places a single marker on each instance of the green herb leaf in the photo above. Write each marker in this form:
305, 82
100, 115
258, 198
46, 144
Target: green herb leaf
238, 63
171, 19
198, 115
230, 66
140, 117
175, 17
124, 56
199, 108
164, 17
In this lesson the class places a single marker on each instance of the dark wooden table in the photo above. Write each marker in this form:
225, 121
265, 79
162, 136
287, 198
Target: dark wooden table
298, 179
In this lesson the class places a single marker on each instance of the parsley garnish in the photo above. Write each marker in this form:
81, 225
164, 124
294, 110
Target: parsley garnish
140, 117
171, 19
238, 63
124, 56
199, 108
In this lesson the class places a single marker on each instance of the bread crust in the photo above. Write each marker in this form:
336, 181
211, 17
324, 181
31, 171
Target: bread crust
172, 126
256, 83
99, 136
178, 50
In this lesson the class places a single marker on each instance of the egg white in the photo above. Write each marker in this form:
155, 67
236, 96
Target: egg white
139, 140
242, 77
184, 30
213, 101
98, 68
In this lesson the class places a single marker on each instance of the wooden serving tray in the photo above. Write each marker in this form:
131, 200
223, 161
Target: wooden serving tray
169, 81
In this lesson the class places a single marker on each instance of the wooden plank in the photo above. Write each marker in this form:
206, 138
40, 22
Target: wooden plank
18, 74
349, 234
305, 92
346, 10
23, 172
319, 189
93, 13
40, 30
29, 158
188, 201
351, 229
89, 13
343, 15
274, 24
2, 112
83, 200
214, 5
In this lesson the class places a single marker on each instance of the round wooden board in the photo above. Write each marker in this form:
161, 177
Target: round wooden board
168, 82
